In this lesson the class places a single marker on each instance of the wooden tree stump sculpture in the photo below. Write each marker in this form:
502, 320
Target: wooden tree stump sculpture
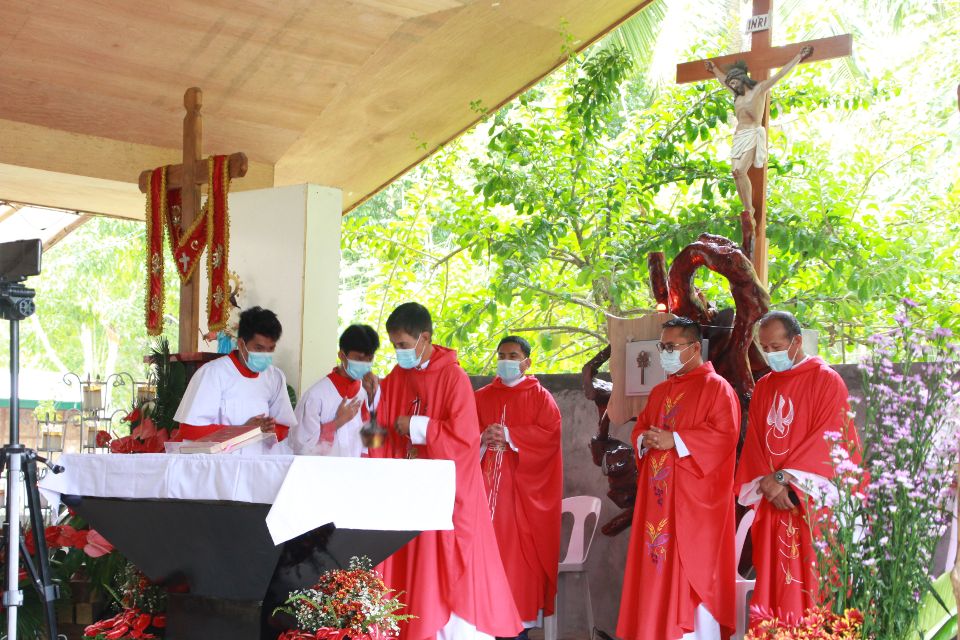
733, 351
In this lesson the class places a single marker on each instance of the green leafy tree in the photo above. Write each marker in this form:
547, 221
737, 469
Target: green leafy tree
540, 220
90, 297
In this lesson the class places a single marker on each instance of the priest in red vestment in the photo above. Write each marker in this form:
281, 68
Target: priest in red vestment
680, 575
785, 468
452, 581
522, 466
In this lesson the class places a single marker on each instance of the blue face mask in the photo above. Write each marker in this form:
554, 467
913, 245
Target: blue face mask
356, 369
258, 362
408, 358
779, 361
509, 370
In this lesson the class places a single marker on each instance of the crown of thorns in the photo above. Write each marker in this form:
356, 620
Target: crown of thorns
737, 70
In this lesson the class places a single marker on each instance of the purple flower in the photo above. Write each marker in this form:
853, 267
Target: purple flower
909, 304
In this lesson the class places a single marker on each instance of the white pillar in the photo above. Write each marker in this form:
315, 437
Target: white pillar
285, 246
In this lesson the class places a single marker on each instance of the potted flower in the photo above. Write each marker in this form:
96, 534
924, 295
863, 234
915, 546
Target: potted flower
351, 603
142, 607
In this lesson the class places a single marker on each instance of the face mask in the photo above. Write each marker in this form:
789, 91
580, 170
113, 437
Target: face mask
356, 369
408, 358
779, 361
259, 362
671, 362
509, 370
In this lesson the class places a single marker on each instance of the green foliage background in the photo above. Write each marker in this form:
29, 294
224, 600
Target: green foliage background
539, 220
90, 297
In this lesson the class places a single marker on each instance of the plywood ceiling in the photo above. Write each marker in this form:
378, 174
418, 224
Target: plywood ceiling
337, 92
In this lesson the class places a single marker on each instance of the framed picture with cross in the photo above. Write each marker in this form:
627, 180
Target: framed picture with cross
643, 370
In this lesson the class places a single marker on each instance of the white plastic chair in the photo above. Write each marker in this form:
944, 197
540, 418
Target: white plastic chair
578, 549
744, 587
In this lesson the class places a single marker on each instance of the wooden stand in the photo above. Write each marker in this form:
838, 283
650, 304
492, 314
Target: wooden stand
189, 177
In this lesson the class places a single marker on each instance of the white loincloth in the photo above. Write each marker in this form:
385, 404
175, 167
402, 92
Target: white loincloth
747, 139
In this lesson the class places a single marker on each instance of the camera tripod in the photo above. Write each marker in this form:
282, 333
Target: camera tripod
16, 303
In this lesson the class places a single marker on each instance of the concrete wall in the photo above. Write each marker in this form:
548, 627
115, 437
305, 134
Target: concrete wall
607, 555
30, 431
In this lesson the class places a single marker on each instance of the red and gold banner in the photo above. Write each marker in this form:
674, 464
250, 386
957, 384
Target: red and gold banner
210, 229
218, 239
156, 219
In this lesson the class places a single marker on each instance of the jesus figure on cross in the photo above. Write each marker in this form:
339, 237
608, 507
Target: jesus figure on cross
750, 138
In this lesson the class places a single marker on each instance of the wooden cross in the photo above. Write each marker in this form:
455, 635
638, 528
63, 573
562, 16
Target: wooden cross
189, 177
643, 361
760, 59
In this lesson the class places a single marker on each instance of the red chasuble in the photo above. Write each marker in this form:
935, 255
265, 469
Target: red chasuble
444, 572
525, 489
789, 413
681, 550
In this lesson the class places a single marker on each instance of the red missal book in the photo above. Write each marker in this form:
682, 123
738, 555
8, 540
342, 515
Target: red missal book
223, 439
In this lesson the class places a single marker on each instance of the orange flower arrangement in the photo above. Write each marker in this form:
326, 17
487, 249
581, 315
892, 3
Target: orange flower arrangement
351, 603
816, 623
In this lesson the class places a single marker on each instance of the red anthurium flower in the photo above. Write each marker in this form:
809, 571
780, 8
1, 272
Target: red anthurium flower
28, 542
70, 537
122, 445
96, 545
141, 623
118, 632
145, 431
133, 417
52, 536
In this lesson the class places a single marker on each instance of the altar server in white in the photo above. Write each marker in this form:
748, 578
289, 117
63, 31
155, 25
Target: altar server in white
332, 412
242, 388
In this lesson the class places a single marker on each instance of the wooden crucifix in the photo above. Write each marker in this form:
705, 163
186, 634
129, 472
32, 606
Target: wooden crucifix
760, 59
188, 177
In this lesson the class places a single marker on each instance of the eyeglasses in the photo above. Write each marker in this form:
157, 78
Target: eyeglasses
670, 347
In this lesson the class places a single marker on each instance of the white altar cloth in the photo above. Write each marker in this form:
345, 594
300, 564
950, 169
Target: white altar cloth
305, 492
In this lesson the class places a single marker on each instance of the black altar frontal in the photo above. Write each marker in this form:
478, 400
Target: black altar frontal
241, 532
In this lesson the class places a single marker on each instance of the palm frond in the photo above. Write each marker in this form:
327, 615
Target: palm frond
639, 34
171, 377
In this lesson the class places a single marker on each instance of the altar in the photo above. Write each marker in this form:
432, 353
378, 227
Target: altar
242, 531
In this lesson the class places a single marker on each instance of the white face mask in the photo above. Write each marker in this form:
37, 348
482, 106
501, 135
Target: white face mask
671, 362
509, 370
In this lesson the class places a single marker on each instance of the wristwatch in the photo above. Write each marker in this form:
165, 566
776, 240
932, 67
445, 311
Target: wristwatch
781, 478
